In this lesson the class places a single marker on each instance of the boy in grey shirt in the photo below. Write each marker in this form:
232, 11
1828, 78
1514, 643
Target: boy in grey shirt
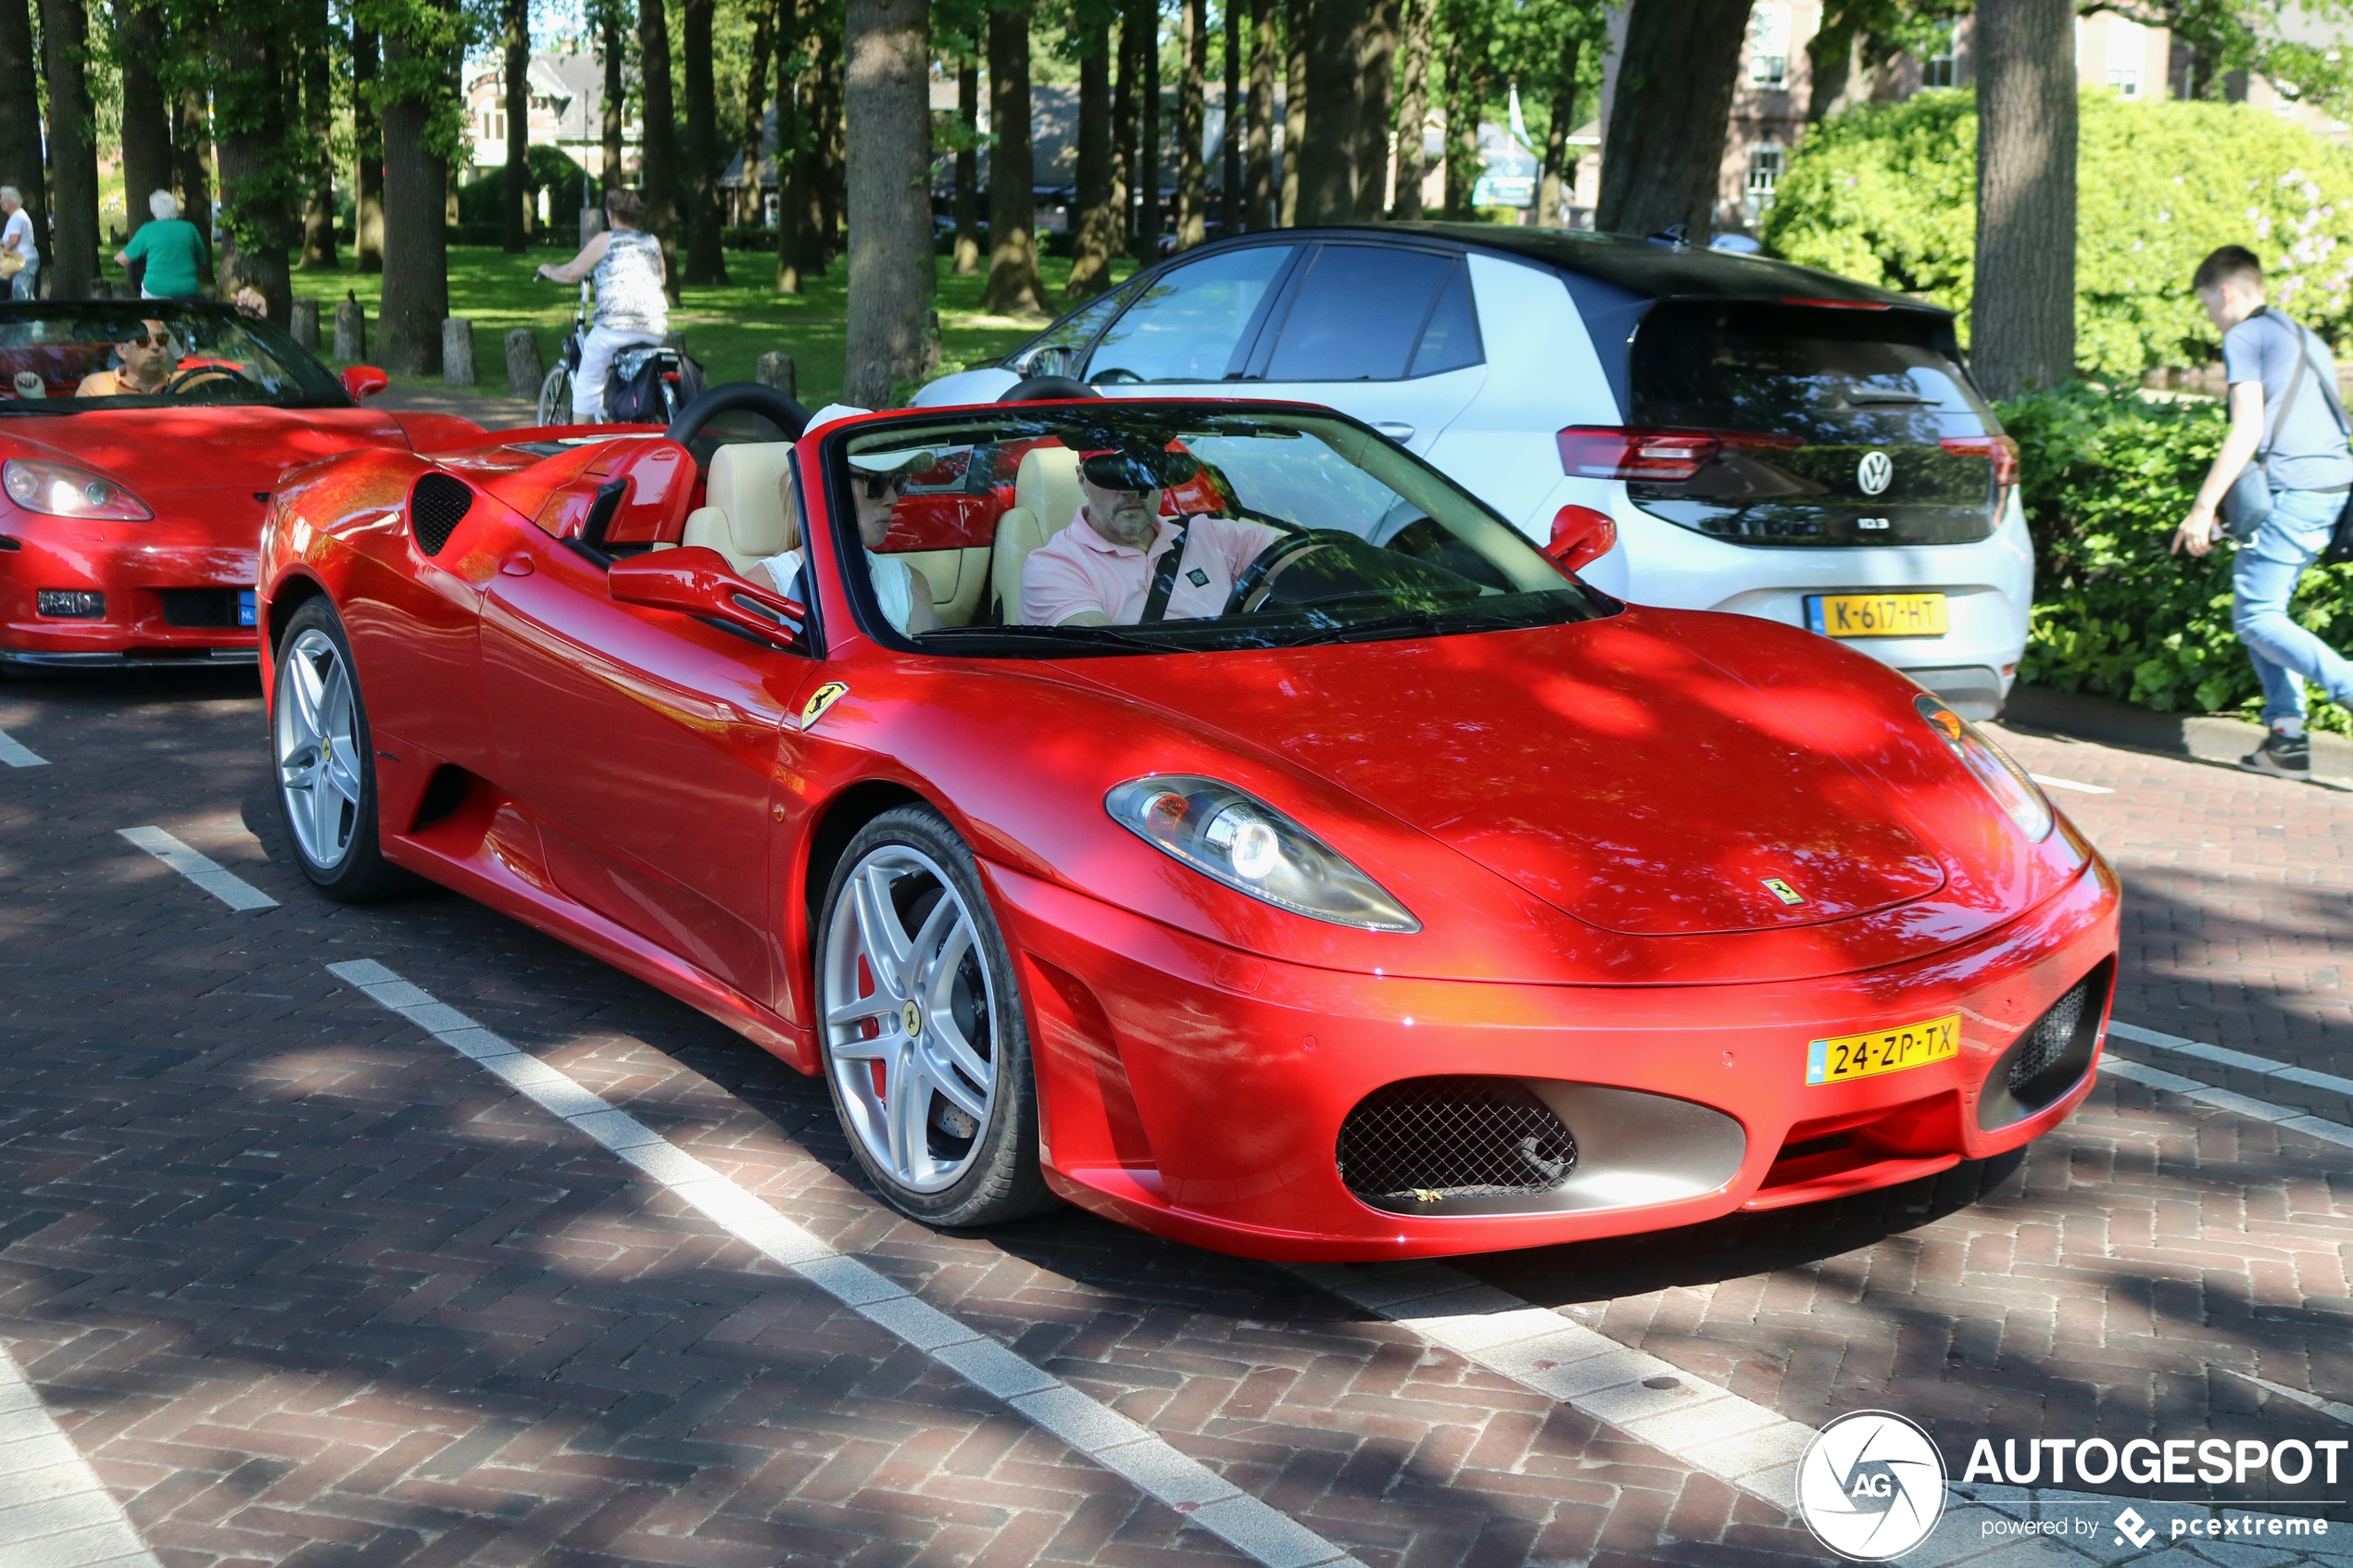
2284, 402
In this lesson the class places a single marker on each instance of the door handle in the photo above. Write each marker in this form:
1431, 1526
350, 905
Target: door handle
1396, 429
516, 565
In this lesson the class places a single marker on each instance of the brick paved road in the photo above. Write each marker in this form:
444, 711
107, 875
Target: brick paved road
305, 1287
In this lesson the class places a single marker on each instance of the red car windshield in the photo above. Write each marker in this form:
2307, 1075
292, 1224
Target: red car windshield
68, 357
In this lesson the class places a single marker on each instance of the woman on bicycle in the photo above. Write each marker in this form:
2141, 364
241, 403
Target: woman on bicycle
632, 310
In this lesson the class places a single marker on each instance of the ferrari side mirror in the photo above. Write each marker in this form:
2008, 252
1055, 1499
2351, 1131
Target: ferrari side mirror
364, 380
1580, 536
697, 581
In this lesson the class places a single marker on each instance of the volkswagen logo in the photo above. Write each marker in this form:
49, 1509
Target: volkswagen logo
1871, 1485
1874, 473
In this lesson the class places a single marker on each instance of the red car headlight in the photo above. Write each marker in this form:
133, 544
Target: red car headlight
1252, 847
62, 490
2008, 782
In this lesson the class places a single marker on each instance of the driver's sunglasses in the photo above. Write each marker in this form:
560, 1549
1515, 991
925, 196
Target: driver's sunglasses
163, 340
881, 484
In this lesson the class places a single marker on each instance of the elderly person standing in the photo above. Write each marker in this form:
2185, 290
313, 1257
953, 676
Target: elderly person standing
632, 310
16, 239
172, 248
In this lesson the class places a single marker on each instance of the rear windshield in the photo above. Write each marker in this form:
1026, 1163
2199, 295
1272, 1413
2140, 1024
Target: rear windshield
1847, 377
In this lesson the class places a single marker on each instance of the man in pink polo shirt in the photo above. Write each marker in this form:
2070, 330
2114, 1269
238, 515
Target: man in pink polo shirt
1100, 570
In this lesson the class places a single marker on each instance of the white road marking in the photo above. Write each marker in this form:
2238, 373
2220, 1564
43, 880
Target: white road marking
16, 754
1103, 1434
2049, 783
202, 870
2329, 1408
2243, 1060
55, 1512
2223, 1100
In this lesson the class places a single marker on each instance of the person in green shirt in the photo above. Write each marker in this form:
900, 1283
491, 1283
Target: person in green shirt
172, 248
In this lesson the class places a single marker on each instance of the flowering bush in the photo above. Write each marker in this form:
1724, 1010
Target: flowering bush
1887, 194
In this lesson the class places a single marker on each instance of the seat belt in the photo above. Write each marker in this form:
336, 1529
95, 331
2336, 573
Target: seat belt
1165, 578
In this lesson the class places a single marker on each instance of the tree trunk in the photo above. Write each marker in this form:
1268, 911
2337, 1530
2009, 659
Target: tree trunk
608, 44
514, 186
1296, 21
1465, 92
1229, 178
2022, 311
792, 167
1663, 163
1192, 173
20, 160
70, 254
1335, 78
1014, 288
191, 161
146, 123
1123, 122
1830, 64
368, 156
832, 161
319, 122
1098, 237
416, 288
968, 168
706, 258
658, 177
886, 85
1376, 79
257, 177
1558, 171
1148, 220
753, 212
1412, 110
1258, 176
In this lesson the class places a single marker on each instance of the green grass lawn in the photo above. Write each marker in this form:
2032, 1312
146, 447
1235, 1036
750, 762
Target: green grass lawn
728, 327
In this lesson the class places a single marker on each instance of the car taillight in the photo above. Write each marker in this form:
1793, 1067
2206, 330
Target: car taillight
2001, 449
1654, 456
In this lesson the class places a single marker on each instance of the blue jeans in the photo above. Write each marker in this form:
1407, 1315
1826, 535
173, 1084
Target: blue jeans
22, 285
2263, 581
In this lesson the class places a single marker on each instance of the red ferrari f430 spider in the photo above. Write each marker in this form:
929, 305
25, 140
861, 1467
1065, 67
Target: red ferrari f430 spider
1207, 813
139, 443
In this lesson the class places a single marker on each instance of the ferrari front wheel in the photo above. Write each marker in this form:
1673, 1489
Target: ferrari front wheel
926, 1051
326, 767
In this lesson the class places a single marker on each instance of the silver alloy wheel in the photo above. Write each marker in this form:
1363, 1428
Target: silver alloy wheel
317, 725
909, 1019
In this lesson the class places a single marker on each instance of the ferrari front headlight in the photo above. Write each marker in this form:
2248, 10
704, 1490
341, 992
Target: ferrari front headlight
62, 490
1246, 844
2008, 782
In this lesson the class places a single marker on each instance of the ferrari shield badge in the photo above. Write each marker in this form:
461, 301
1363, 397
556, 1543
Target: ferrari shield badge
1773, 884
824, 697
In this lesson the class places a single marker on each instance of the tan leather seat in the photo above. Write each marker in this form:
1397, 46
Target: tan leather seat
1046, 497
744, 519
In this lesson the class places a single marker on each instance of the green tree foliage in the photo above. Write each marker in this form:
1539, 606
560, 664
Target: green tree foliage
1885, 194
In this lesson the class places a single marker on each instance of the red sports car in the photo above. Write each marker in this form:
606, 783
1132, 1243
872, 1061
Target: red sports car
1227, 823
139, 442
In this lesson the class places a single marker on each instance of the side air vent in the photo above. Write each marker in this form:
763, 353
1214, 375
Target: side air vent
2049, 1058
1427, 1139
435, 508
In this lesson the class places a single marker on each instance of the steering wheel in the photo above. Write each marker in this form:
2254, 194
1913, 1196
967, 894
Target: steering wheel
1258, 578
765, 401
1116, 376
184, 378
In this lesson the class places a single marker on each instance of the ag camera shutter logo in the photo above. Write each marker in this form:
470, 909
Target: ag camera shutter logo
1875, 472
1871, 1485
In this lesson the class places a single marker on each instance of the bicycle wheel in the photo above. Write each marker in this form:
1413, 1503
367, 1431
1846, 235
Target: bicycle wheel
555, 397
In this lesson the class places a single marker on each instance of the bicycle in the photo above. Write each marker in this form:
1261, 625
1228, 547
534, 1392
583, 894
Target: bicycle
555, 393
677, 384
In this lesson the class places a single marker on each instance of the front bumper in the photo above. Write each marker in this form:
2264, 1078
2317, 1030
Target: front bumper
171, 587
1198, 1093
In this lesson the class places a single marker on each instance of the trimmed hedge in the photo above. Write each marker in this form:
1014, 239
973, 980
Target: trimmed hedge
2105, 479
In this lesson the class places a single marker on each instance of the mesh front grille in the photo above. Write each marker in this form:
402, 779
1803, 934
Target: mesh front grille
435, 508
2048, 1040
199, 607
1454, 1137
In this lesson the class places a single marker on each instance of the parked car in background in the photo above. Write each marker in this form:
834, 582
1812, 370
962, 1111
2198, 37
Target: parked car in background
1768, 439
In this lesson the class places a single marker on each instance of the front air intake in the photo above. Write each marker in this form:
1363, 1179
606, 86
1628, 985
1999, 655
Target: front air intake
1426, 1140
435, 508
2050, 1057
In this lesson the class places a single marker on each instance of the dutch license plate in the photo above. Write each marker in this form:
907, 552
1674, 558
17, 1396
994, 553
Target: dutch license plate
1877, 615
1842, 1057
244, 608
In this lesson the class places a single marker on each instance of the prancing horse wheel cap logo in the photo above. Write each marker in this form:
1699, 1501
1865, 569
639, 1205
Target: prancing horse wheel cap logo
1875, 472
1871, 1485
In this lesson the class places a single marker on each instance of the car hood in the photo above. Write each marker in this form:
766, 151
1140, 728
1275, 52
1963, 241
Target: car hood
242, 447
1636, 787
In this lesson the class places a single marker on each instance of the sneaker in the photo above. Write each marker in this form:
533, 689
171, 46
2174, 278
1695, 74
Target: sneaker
2288, 756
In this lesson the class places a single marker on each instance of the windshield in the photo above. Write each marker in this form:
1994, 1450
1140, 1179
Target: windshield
1165, 527
152, 353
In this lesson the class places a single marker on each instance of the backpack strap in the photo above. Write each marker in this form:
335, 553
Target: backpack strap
1165, 577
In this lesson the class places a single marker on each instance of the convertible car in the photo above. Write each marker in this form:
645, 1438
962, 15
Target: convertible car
1334, 876
139, 442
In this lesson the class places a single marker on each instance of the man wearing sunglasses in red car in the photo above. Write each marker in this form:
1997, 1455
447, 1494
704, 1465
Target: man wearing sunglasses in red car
148, 361
1120, 563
